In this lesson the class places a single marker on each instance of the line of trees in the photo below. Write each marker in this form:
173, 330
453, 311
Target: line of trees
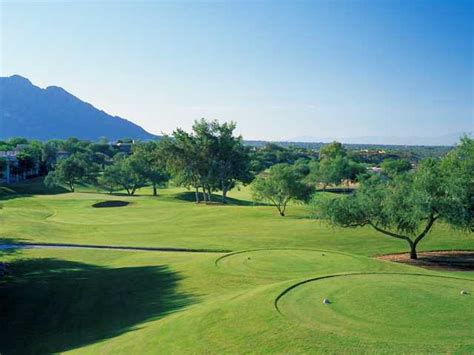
210, 158
402, 201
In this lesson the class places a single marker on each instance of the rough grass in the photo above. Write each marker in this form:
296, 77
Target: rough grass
109, 301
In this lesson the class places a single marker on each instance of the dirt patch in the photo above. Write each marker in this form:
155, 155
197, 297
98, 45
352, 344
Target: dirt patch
437, 260
112, 203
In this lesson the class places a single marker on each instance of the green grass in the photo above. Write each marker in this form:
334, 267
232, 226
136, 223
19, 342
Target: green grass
109, 301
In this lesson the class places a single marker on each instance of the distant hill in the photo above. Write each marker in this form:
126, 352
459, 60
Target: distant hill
35, 113
444, 140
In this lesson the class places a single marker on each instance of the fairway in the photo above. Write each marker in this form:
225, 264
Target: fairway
264, 295
236, 177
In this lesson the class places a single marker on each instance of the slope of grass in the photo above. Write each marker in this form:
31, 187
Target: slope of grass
263, 297
165, 302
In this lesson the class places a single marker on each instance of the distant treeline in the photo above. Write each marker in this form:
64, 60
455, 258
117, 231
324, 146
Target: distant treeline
413, 152
208, 159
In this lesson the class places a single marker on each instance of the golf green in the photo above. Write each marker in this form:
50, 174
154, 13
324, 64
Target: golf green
388, 307
288, 262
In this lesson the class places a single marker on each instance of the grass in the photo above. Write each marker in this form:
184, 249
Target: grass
109, 301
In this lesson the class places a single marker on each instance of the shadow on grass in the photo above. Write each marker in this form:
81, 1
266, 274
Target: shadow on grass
52, 305
216, 199
28, 188
8, 246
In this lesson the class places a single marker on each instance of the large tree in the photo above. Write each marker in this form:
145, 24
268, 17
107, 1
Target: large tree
280, 185
154, 164
231, 161
334, 166
127, 172
210, 158
181, 154
71, 171
407, 205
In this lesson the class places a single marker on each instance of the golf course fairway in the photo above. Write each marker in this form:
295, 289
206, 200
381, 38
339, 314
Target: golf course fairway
244, 280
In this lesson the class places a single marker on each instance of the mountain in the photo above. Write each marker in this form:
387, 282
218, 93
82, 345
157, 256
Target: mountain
444, 140
32, 112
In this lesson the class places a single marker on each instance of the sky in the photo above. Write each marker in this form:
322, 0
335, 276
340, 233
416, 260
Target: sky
280, 69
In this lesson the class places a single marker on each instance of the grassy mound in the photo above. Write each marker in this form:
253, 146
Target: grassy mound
289, 263
388, 307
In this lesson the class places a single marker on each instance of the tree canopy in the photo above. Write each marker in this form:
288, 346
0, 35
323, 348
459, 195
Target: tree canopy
71, 171
407, 206
280, 185
210, 158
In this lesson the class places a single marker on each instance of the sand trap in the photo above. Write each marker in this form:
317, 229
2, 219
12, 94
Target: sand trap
112, 203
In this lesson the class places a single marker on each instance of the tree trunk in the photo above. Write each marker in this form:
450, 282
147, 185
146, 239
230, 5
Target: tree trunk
196, 194
282, 213
204, 194
209, 194
413, 254
71, 187
413, 243
154, 190
224, 195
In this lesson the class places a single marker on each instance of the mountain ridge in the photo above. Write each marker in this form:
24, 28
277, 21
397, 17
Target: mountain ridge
29, 111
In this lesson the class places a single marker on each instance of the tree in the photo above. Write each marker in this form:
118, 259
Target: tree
458, 169
332, 171
332, 151
26, 162
231, 160
407, 206
334, 166
3, 165
153, 166
127, 172
280, 185
392, 167
210, 157
71, 171
49, 153
181, 156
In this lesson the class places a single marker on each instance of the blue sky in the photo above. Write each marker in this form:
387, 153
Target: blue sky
279, 69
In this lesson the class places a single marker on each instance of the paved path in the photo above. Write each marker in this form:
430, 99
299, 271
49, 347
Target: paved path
108, 247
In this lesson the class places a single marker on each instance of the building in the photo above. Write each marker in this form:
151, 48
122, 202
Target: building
124, 147
11, 172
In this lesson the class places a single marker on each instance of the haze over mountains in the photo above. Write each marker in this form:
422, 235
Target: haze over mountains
29, 111
446, 139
